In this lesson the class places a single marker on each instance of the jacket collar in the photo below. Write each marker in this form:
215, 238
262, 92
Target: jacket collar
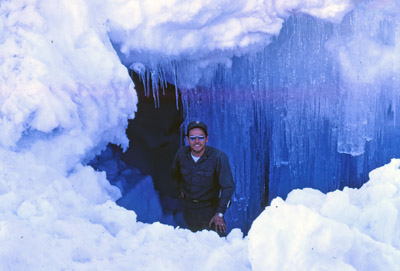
205, 154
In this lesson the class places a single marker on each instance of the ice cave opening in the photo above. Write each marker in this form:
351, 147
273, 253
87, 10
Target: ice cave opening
287, 115
142, 172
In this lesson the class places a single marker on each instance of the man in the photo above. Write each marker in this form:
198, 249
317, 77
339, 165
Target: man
204, 179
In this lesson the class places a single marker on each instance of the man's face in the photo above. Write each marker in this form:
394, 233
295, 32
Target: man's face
197, 140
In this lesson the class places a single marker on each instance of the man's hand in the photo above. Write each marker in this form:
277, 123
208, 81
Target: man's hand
219, 223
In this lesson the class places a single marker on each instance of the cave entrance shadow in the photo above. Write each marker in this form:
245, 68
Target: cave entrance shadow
154, 138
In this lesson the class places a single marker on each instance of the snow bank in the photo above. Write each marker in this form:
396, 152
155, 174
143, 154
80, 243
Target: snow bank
52, 222
63, 89
353, 229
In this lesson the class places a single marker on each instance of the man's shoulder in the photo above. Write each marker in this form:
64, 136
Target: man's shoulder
182, 154
183, 150
213, 151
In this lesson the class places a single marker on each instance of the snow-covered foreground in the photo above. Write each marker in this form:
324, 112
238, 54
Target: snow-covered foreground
353, 229
52, 222
49, 221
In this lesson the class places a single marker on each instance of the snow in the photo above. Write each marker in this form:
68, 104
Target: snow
202, 34
189, 28
353, 229
64, 95
51, 222
62, 85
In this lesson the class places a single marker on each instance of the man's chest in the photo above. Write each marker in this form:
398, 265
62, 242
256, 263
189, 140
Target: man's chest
203, 171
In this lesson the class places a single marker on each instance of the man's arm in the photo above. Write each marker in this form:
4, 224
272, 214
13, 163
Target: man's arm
225, 179
227, 185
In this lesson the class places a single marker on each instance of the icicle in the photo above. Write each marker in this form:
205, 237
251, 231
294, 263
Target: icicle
175, 78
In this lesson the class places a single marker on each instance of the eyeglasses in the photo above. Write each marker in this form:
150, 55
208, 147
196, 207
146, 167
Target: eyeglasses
193, 138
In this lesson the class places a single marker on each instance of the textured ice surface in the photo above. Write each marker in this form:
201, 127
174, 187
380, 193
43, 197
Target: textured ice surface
302, 112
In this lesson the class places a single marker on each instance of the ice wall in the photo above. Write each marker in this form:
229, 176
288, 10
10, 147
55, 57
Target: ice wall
316, 108
313, 106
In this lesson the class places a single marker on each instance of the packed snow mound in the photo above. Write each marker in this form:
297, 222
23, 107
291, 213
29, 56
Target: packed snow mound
353, 229
63, 88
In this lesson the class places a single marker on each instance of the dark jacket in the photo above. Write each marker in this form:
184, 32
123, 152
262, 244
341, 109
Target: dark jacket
203, 181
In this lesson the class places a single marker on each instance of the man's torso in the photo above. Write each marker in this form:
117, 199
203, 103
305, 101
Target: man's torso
200, 179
